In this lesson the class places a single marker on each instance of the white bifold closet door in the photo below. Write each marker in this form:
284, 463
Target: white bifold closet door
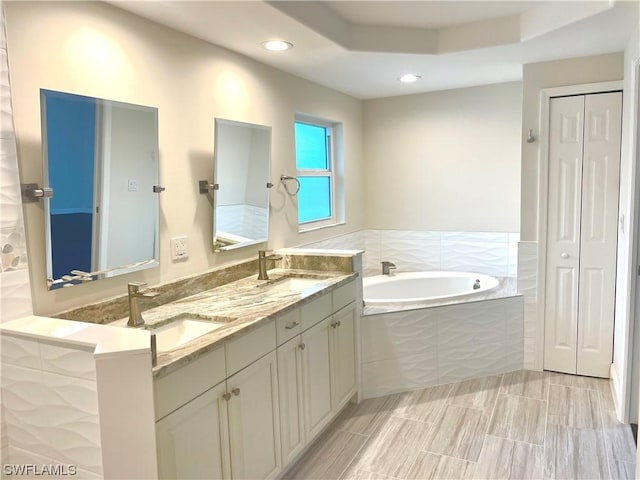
584, 162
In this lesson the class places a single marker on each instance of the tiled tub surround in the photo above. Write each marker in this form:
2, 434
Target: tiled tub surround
491, 253
528, 287
412, 349
62, 399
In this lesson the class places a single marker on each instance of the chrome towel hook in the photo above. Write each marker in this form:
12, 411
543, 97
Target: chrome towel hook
284, 178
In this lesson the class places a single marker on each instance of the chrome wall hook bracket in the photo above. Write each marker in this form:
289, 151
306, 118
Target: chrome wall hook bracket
31, 192
205, 187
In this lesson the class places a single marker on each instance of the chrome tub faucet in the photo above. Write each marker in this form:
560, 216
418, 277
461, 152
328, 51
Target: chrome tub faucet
387, 267
263, 256
135, 292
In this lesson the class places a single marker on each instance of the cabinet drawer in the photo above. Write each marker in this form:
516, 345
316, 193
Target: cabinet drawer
343, 295
288, 326
179, 387
249, 347
316, 310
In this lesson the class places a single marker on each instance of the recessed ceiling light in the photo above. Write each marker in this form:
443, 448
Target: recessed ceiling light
409, 78
277, 45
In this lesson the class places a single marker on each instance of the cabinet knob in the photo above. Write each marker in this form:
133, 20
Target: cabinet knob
564, 255
236, 391
227, 396
292, 325
302, 346
339, 323
334, 324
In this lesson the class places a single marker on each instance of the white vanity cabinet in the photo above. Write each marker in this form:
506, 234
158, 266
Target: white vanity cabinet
343, 357
316, 369
248, 408
254, 426
192, 441
230, 431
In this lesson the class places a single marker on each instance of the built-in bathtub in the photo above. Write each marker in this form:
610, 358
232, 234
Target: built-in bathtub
429, 328
423, 287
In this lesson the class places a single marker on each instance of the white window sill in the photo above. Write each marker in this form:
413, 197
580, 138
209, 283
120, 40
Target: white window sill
320, 227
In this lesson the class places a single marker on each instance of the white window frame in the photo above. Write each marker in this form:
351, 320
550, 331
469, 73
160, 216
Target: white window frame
329, 172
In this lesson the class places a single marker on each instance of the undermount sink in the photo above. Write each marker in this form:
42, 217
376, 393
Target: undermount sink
291, 283
179, 330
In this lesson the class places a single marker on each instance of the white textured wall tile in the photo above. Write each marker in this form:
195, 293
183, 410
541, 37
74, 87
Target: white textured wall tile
475, 237
487, 258
530, 318
473, 339
398, 334
457, 363
513, 259
404, 373
372, 242
15, 292
73, 402
53, 416
68, 361
17, 456
492, 253
527, 271
528, 248
21, 352
14, 279
471, 324
529, 353
513, 311
411, 250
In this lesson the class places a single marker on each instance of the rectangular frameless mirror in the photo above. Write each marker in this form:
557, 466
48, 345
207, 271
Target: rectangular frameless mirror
241, 172
100, 157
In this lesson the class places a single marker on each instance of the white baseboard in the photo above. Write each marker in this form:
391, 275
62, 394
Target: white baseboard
613, 384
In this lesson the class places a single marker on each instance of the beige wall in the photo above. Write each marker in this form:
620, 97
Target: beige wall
98, 50
446, 160
536, 76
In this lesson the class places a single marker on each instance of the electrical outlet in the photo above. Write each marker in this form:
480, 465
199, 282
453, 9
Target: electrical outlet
179, 248
133, 185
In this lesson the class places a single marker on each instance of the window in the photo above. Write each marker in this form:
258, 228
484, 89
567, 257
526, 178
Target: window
315, 170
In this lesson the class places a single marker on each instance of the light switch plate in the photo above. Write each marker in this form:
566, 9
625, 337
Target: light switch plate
179, 248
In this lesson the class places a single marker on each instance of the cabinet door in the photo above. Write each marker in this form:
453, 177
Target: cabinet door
192, 441
290, 396
316, 375
254, 425
343, 357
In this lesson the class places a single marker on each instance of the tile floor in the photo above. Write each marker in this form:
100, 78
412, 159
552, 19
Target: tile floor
522, 424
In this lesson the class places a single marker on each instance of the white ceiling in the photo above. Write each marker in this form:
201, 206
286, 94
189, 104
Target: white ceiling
362, 47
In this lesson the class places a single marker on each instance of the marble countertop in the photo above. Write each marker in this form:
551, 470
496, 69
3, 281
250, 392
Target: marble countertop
243, 305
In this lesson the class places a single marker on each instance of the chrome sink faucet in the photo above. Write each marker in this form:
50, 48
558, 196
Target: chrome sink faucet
135, 315
387, 267
263, 256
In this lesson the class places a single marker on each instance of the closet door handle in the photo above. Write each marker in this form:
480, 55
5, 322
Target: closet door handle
564, 255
